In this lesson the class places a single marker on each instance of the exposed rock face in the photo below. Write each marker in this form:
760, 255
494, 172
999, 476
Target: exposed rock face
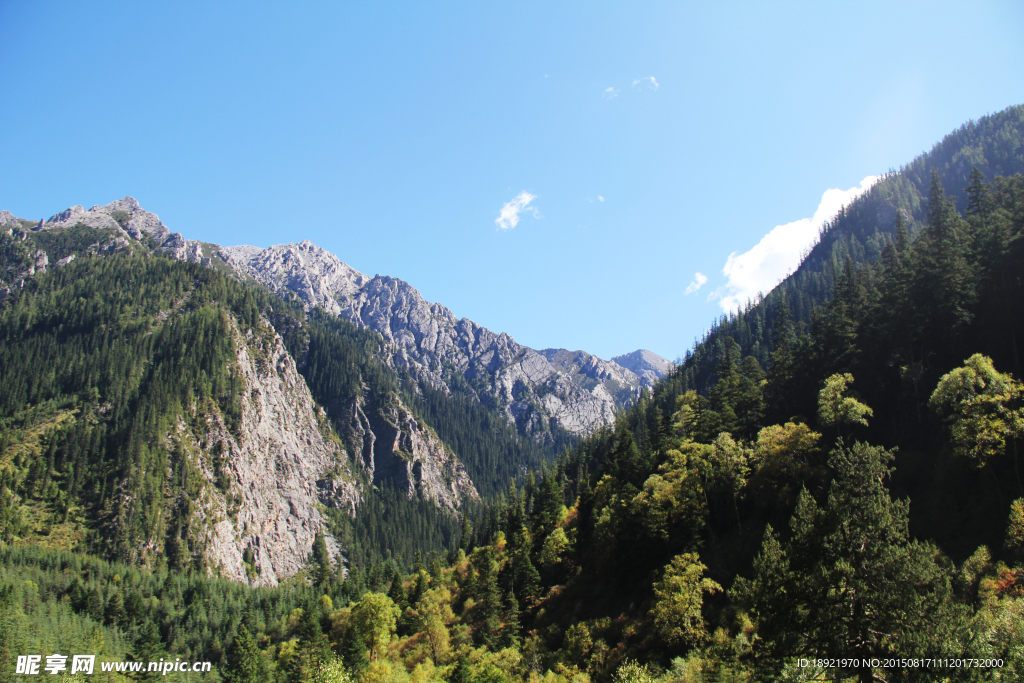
7, 220
573, 390
316, 275
280, 468
645, 364
131, 220
283, 464
394, 447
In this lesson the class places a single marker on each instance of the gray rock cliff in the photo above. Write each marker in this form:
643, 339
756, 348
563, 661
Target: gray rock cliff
273, 475
645, 364
573, 391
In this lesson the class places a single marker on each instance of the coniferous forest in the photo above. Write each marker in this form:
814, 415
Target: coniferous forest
828, 487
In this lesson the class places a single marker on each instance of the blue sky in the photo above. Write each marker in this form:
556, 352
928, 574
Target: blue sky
652, 141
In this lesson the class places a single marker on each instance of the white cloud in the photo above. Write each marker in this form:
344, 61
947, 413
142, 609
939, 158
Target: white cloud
610, 93
779, 252
509, 215
699, 280
648, 81
600, 198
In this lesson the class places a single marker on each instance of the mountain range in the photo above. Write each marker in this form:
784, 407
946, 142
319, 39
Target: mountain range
543, 391
301, 447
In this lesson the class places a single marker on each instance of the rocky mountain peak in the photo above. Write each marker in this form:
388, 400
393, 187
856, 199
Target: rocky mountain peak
646, 364
539, 390
315, 274
8, 220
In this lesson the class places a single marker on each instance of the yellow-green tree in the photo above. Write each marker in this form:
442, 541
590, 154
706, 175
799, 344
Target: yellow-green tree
836, 409
1015, 528
554, 548
729, 461
433, 613
376, 617
781, 461
984, 408
679, 598
332, 671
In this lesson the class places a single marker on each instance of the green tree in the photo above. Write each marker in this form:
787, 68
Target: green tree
850, 582
1015, 529
984, 409
149, 647
245, 661
944, 284
330, 671
312, 648
376, 618
836, 409
729, 462
679, 598
322, 557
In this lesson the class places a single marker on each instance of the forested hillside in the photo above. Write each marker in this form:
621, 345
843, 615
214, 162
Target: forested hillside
993, 145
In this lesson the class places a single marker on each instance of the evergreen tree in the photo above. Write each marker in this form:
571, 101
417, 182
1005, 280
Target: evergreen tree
245, 662
149, 647
313, 648
850, 582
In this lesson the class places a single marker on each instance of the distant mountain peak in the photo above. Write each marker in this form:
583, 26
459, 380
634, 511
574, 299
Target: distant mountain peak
645, 364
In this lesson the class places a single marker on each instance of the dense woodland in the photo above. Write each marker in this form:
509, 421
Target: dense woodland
835, 475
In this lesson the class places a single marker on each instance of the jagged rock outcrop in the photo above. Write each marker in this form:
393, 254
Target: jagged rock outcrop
645, 364
394, 447
571, 390
280, 467
130, 220
8, 220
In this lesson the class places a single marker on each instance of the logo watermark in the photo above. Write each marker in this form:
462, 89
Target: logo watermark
34, 665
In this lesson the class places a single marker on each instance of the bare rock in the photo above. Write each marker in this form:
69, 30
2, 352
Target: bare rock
537, 389
282, 466
8, 220
645, 364
394, 447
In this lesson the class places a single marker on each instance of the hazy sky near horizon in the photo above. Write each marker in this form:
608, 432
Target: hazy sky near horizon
593, 175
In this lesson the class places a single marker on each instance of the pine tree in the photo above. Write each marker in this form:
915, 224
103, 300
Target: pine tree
945, 287
245, 661
782, 370
322, 557
313, 648
149, 647
850, 581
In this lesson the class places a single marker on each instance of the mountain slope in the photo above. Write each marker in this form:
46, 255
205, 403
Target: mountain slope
152, 412
444, 352
994, 144
548, 399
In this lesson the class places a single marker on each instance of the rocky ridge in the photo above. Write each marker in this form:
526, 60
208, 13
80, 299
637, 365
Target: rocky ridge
555, 388
542, 391
266, 485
